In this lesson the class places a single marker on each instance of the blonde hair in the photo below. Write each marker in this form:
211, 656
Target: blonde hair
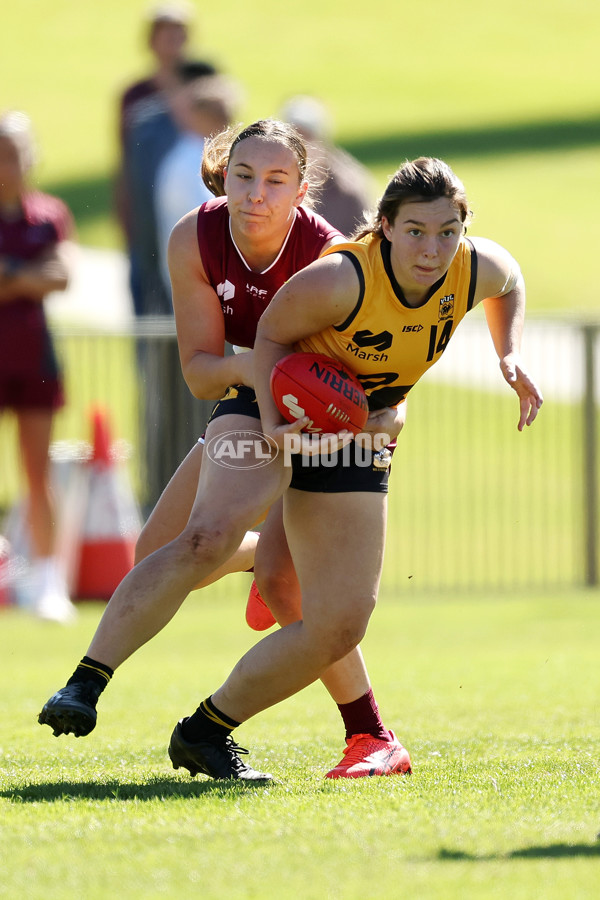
16, 127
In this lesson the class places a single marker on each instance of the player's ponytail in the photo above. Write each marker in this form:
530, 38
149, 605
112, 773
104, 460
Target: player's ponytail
214, 160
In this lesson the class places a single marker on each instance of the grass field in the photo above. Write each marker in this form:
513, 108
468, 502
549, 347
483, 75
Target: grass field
497, 702
495, 696
507, 94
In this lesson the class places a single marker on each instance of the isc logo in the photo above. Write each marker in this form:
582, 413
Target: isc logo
413, 328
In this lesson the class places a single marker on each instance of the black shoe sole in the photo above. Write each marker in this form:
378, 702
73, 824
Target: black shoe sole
68, 720
189, 765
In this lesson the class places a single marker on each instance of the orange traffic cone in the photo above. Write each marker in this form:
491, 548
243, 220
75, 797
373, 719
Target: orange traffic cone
111, 522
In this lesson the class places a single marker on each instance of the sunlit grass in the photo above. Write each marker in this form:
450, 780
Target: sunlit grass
496, 700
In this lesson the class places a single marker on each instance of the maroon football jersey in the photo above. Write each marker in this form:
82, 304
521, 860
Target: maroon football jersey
244, 294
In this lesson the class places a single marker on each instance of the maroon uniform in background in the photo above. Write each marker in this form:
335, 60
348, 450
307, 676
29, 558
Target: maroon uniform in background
245, 294
29, 373
140, 91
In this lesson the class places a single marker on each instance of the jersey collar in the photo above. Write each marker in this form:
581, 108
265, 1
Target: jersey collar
277, 258
387, 265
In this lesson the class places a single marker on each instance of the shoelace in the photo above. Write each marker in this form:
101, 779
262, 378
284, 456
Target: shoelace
230, 744
235, 749
359, 748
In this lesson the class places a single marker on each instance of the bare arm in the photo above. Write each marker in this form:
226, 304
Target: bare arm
321, 295
37, 278
199, 320
501, 288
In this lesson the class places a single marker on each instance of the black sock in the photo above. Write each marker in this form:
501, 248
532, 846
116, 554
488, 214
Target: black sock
206, 721
92, 670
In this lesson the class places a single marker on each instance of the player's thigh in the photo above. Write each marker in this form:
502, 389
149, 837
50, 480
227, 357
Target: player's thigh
172, 511
337, 544
239, 480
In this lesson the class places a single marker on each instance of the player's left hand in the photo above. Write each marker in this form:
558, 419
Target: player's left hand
387, 422
289, 436
530, 397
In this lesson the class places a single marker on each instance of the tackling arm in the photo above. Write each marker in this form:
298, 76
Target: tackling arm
199, 320
322, 294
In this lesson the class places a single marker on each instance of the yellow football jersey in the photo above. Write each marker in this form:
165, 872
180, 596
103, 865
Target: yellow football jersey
386, 343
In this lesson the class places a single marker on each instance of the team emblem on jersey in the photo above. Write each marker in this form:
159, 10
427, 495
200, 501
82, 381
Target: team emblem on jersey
446, 307
366, 338
226, 291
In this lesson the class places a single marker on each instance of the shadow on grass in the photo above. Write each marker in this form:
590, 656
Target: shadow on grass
91, 198
494, 140
156, 789
550, 851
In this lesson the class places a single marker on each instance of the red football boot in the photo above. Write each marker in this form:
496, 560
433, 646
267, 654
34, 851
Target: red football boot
258, 615
366, 755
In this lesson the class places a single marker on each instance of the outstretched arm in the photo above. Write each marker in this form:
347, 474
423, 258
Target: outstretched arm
503, 289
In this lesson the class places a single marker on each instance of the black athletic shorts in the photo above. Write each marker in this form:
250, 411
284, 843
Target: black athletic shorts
237, 400
351, 469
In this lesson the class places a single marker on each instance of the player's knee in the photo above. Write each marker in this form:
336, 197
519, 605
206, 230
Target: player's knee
343, 631
346, 639
200, 546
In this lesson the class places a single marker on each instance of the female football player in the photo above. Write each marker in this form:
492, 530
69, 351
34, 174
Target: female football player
411, 266
227, 259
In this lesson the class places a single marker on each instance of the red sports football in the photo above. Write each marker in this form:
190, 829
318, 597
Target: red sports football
317, 386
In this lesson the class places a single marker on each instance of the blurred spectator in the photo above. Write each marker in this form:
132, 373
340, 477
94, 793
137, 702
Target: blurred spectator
150, 136
168, 35
147, 100
171, 415
34, 260
348, 190
201, 108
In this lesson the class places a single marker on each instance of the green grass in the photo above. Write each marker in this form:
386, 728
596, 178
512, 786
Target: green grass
507, 94
496, 700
